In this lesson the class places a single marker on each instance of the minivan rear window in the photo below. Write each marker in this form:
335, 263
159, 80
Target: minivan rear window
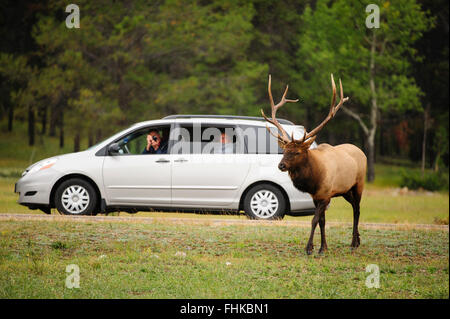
259, 141
205, 139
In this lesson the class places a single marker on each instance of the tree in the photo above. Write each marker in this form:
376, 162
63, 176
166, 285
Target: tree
374, 63
277, 24
16, 20
16, 72
432, 74
147, 60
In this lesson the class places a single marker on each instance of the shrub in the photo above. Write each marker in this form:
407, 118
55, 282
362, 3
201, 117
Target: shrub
431, 181
10, 173
440, 221
58, 245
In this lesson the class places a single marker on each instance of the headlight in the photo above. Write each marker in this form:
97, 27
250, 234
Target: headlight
40, 166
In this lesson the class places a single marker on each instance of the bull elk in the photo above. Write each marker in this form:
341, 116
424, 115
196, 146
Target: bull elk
324, 172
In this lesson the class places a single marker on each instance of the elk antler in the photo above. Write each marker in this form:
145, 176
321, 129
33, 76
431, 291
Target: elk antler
285, 138
333, 110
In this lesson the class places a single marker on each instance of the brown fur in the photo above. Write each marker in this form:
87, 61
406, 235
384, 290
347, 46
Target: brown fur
326, 172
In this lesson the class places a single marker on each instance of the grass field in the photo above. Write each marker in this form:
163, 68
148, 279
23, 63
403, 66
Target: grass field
163, 260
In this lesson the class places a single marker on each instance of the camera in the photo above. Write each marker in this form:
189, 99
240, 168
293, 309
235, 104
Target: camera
155, 138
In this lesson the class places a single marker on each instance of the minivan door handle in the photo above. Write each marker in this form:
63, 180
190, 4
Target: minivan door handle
180, 160
162, 160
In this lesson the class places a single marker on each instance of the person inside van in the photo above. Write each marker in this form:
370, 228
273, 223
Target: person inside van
227, 143
155, 145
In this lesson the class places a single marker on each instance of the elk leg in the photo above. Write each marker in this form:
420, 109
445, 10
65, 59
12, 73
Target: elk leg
320, 208
356, 201
323, 240
352, 197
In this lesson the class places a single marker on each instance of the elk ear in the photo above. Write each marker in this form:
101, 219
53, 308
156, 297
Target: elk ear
308, 142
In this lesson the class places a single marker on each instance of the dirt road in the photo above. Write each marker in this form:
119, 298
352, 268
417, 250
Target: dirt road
207, 221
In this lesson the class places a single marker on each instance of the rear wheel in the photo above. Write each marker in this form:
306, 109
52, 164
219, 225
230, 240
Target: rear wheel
264, 202
76, 197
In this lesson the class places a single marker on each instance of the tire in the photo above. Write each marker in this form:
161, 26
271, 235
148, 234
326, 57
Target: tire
264, 202
76, 197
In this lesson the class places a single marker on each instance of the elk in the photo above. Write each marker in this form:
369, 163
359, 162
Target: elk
324, 172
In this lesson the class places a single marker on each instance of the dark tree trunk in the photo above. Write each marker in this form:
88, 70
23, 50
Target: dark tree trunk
436, 161
98, 136
31, 124
370, 159
309, 117
44, 120
363, 140
378, 145
76, 142
90, 139
53, 121
61, 130
331, 138
376, 150
424, 140
10, 118
382, 143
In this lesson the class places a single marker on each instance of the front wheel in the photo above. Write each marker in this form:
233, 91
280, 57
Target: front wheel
264, 202
76, 197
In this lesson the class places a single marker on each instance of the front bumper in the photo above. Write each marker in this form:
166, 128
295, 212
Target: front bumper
35, 189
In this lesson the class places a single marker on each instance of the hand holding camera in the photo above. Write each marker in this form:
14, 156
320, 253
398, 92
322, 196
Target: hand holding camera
153, 140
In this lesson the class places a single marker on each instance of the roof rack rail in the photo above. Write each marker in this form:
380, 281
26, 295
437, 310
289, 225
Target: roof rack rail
232, 117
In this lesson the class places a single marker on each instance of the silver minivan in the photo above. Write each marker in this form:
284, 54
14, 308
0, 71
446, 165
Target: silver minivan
197, 170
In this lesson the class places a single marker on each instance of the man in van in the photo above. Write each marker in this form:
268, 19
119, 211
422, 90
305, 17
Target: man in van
155, 144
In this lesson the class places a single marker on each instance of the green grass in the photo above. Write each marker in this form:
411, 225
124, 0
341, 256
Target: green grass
389, 206
390, 175
8, 199
129, 260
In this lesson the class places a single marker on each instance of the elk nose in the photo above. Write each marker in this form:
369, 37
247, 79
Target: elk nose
282, 167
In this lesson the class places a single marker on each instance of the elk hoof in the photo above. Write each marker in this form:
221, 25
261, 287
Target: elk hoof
355, 242
322, 250
309, 249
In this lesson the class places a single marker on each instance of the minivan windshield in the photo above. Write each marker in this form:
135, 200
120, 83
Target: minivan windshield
110, 137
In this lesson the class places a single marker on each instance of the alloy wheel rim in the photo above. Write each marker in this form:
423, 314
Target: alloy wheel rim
75, 199
264, 204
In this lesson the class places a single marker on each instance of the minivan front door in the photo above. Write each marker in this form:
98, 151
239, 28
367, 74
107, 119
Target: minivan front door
135, 179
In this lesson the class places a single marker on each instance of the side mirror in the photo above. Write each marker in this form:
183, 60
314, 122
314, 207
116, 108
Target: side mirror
113, 149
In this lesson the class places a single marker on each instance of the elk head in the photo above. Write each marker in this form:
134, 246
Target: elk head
295, 152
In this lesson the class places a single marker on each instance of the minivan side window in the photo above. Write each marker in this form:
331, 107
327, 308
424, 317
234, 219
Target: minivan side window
205, 139
258, 140
135, 143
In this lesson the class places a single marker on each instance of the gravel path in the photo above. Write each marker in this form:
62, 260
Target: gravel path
210, 221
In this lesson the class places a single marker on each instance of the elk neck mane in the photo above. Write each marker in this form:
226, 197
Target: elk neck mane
306, 175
